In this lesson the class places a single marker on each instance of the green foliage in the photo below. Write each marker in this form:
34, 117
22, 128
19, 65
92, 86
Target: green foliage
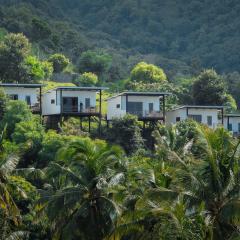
28, 135
13, 51
40, 29
86, 79
59, 62
126, 132
209, 89
147, 73
51, 143
94, 62
83, 176
16, 112
37, 70
16, 63
3, 101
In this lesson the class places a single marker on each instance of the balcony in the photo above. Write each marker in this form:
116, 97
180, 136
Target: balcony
77, 111
36, 109
148, 115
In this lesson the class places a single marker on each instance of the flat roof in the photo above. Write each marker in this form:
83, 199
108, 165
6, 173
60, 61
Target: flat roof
24, 85
130, 93
72, 88
232, 115
198, 107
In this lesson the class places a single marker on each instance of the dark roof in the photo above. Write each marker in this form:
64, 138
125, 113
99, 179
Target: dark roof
198, 107
129, 93
232, 115
73, 88
22, 85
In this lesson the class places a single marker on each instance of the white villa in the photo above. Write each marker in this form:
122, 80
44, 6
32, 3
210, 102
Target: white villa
87, 102
31, 93
72, 101
148, 106
232, 123
208, 115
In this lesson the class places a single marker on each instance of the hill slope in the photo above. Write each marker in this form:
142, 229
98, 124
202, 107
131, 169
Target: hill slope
204, 32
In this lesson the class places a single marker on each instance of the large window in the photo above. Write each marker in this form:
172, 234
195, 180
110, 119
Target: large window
178, 119
197, 118
28, 100
209, 120
13, 97
230, 127
150, 107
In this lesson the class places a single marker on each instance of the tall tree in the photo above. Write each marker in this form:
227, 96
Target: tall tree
147, 73
83, 178
209, 89
13, 50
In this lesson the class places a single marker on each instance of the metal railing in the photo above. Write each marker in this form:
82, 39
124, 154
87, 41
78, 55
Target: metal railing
35, 107
147, 114
78, 109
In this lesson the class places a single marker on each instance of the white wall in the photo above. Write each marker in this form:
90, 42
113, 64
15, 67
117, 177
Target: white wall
182, 113
172, 115
50, 109
235, 121
146, 100
23, 92
113, 111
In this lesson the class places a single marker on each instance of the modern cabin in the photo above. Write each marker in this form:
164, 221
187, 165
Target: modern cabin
212, 116
73, 102
232, 123
147, 106
30, 93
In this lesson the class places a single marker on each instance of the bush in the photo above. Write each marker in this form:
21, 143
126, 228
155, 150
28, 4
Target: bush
59, 62
16, 111
127, 133
86, 79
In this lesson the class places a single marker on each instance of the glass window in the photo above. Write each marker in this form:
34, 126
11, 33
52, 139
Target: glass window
118, 106
52, 101
28, 100
150, 107
13, 97
209, 120
230, 127
197, 118
238, 127
178, 119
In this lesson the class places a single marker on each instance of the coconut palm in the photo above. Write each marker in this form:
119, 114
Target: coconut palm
10, 217
79, 202
212, 178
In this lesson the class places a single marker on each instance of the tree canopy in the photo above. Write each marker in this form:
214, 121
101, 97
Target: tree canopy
209, 89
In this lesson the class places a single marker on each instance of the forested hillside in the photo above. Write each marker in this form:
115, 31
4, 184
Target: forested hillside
174, 34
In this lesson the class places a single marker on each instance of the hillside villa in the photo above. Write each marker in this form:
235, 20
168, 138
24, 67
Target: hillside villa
30, 93
147, 106
232, 123
209, 115
86, 102
73, 102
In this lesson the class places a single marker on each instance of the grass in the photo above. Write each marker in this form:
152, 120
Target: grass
51, 85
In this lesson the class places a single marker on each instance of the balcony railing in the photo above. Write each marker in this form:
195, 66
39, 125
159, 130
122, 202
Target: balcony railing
35, 108
77, 109
147, 114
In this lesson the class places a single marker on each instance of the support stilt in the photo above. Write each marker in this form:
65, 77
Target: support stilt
89, 124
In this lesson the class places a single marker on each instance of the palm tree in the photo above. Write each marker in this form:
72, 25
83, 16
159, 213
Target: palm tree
80, 202
197, 197
212, 178
10, 217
